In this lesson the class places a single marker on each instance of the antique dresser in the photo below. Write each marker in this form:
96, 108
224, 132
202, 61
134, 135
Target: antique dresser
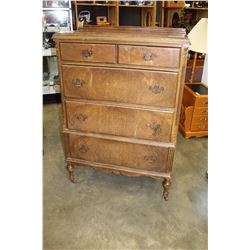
121, 92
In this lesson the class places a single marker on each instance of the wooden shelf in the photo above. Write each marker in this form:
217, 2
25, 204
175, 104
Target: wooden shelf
194, 8
136, 6
146, 15
165, 7
97, 4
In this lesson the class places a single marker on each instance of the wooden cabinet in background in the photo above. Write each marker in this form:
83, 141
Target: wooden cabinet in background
121, 96
118, 13
194, 110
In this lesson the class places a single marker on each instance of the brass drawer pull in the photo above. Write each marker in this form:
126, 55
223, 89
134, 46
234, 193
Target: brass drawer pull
156, 128
81, 117
78, 82
87, 53
203, 119
148, 56
206, 103
150, 159
156, 89
83, 149
204, 111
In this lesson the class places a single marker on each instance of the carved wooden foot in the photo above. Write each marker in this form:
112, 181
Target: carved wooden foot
70, 168
166, 185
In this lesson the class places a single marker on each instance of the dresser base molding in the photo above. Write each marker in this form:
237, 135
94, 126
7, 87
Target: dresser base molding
187, 134
114, 169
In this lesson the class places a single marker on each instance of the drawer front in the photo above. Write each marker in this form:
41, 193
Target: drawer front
78, 52
199, 126
148, 88
107, 119
149, 56
200, 111
118, 153
200, 119
201, 102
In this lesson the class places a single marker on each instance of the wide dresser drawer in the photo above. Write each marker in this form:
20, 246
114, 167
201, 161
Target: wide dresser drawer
120, 85
149, 56
130, 155
82, 52
120, 121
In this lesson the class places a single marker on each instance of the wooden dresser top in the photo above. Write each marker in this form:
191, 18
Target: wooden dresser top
127, 35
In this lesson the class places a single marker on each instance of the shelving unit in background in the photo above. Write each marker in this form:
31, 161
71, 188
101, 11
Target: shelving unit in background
171, 12
146, 14
176, 14
117, 12
57, 16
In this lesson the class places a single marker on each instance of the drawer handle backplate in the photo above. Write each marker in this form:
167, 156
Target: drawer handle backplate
156, 128
148, 56
81, 117
204, 111
83, 149
87, 53
78, 82
150, 159
156, 89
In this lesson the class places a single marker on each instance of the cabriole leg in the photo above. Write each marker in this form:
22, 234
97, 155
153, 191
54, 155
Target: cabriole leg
70, 168
166, 185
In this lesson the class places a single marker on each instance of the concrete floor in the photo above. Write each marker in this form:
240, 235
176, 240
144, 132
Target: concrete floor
107, 211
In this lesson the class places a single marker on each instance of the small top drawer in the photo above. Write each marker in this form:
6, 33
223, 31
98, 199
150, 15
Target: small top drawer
81, 52
149, 56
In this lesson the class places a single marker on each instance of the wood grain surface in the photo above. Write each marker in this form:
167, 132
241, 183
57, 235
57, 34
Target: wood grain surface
119, 153
88, 52
120, 85
149, 56
129, 122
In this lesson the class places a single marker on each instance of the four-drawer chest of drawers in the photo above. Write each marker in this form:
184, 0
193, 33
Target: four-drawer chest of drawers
121, 92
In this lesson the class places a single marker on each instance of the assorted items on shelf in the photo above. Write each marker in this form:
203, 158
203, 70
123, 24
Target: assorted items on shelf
140, 3
102, 20
116, 13
56, 17
183, 14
